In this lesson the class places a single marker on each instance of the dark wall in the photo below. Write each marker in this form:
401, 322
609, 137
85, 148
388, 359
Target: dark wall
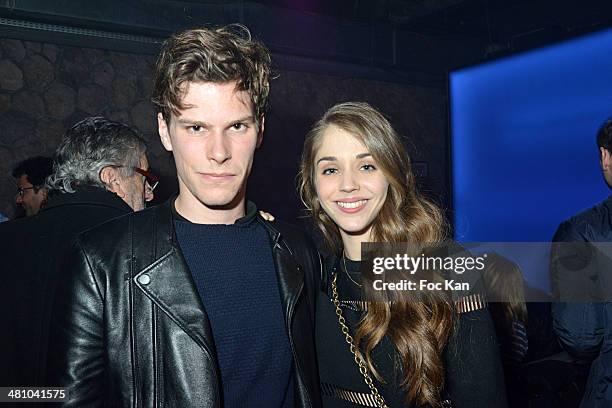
45, 88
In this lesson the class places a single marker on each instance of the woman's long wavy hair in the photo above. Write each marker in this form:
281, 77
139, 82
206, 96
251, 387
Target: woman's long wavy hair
419, 330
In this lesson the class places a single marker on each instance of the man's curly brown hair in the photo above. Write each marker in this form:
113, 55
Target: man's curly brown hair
222, 54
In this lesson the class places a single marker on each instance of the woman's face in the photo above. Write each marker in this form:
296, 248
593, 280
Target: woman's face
350, 185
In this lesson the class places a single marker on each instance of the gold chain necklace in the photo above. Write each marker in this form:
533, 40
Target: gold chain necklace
346, 270
363, 368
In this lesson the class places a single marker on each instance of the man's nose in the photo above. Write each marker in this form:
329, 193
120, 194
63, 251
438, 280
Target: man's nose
218, 149
18, 199
149, 195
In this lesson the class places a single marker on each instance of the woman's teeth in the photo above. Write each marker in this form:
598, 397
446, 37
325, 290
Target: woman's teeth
353, 204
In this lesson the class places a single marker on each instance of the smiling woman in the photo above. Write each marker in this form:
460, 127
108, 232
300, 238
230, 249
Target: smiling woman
357, 183
350, 186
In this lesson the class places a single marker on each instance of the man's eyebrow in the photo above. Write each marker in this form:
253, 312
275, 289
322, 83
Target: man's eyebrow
326, 158
187, 121
362, 155
249, 118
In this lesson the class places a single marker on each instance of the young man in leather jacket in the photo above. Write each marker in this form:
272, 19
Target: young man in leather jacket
198, 302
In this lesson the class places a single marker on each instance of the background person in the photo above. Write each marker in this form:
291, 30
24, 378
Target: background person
30, 176
537, 371
581, 261
96, 177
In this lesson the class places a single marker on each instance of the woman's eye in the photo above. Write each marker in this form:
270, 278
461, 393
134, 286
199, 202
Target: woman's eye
368, 167
329, 171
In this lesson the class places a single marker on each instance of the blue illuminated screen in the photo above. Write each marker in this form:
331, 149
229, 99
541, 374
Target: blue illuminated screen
523, 139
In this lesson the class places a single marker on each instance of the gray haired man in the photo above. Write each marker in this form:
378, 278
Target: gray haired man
100, 171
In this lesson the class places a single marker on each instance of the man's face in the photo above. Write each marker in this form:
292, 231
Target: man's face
213, 141
30, 199
605, 160
133, 189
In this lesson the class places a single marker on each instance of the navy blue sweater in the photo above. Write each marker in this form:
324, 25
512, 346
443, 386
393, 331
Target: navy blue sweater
234, 272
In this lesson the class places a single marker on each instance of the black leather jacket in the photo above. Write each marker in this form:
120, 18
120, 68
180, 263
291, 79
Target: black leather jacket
130, 329
30, 250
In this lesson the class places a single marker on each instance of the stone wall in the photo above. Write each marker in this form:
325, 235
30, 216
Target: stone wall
45, 88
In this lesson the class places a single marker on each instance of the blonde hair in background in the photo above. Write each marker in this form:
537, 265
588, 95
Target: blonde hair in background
503, 281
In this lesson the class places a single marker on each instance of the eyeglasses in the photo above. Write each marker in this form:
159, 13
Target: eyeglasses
21, 190
151, 179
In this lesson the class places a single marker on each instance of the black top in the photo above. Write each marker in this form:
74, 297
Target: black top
234, 273
473, 370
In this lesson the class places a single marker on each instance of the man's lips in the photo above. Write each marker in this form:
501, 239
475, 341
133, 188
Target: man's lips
217, 176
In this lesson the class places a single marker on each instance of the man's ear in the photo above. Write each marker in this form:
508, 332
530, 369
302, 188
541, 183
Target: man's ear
604, 158
260, 131
110, 177
164, 133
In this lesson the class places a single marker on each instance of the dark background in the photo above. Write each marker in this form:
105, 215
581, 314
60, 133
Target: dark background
63, 60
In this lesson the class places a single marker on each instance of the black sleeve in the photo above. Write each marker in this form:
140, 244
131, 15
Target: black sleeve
307, 256
578, 312
474, 375
312, 275
76, 351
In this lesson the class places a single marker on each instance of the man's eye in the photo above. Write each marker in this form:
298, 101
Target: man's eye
238, 126
329, 171
195, 128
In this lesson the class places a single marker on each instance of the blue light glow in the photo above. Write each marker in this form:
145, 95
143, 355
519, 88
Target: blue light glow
524, 155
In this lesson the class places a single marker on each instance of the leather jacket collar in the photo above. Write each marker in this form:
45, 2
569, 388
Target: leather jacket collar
86, 195
176, 294
168, 254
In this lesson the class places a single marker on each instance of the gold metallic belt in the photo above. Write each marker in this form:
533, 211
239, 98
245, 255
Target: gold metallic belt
359, 398
464, 304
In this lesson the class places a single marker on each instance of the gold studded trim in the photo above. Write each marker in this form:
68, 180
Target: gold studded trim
471, 303
355, 305
359, 398
465, 304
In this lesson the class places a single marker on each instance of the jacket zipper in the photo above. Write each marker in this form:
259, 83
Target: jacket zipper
289, 322
202, 344
297, 362
216, 364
